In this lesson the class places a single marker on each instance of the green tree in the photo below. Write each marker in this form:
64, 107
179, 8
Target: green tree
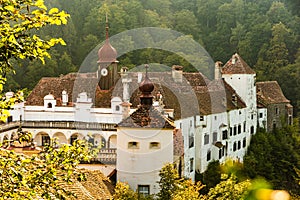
168, 182
123, 192
212, 175
229, 188
275, 156
18, 19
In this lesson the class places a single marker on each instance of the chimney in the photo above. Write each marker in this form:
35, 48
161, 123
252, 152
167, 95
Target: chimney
125, 109
177, 73
140, 76
65, 99
126, 81
218, 66
234, 59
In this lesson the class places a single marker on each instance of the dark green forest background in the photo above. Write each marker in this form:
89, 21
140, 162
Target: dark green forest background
264, 32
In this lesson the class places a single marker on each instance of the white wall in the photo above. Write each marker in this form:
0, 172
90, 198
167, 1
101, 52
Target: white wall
141, 166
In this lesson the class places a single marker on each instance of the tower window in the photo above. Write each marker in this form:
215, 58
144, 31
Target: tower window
144, 190
154, 145
133, 145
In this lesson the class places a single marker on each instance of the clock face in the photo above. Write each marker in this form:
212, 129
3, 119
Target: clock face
104, 72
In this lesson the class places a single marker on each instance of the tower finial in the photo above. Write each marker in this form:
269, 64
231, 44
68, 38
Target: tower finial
146, 87
146, 67
106, 20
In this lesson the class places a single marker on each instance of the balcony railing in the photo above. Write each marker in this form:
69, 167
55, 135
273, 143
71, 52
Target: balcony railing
68, 125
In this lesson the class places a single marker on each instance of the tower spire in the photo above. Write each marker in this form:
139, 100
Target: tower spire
146, 87
106, 28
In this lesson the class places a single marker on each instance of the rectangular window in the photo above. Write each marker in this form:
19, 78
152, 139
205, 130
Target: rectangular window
133, 145
230, 131
191, 141
206, 139
208, 156
154, 145
277, 111
45, 140
261, 115
234, 146
252, 129
220, 153
239, 129
225, 135
244, 142
201, 118
191, 164
244, 127
215, 137
234, 130
144, 190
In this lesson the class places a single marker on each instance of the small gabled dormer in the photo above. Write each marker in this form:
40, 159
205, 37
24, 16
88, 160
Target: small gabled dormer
49, 102
116, 105
83, 98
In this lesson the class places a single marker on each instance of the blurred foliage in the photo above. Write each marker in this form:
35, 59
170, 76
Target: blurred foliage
24, 177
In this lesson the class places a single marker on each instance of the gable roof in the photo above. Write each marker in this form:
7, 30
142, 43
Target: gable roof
236, 65
269, 92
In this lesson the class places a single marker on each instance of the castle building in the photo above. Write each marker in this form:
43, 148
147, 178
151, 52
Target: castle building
174, 116
274, 109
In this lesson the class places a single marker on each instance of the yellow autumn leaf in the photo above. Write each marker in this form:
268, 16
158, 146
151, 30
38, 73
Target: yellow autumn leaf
40, 4
12, 39
53, 10
10, 8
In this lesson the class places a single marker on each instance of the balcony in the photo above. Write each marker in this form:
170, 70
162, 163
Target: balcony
68, 125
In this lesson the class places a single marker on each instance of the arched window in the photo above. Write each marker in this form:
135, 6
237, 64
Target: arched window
49, 105
117, 108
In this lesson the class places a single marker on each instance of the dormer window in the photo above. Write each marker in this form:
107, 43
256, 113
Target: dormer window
49, 105
133, 145
118, 108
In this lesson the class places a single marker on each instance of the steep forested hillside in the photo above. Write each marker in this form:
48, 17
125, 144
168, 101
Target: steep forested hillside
264, 32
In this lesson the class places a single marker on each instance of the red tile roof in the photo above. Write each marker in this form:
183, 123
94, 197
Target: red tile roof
269, 92
236, 65
195, 95
147, 117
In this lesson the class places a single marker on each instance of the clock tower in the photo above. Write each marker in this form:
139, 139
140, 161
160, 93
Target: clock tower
107, 64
